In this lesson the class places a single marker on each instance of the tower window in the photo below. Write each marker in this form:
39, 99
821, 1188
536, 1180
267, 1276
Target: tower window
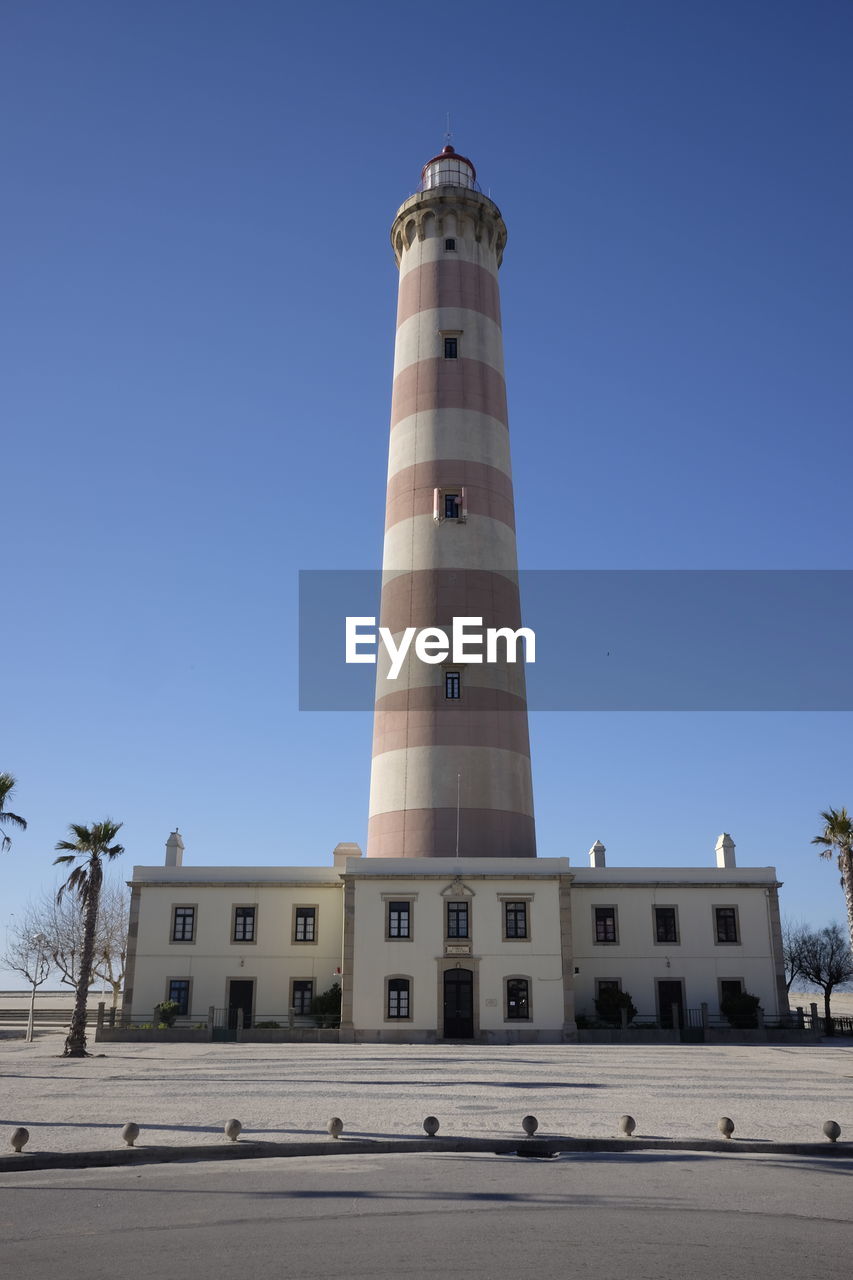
452, 684
451, 348
451, 506
450, 245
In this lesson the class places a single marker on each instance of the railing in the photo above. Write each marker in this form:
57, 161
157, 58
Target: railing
694, 1022
225, 1023
60, 1018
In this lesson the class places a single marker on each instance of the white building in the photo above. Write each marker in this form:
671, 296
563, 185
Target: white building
483, 949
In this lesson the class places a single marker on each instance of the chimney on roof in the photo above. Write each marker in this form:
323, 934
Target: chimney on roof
342, 852
596, 854
175, 850
725, 851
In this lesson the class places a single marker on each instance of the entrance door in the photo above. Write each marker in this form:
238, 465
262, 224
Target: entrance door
458, 1004
670, 993
240, 996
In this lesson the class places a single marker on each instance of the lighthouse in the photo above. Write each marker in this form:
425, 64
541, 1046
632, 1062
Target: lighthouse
451, 753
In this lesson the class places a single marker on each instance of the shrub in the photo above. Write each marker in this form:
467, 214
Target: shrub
741, 1009
610, 1004
267, 1026
167, 1012
328, 1004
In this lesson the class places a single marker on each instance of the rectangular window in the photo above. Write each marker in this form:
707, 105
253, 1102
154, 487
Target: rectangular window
515, 919
450, 244
399, 919
517, 998
451, 348
399, 990
725, 919
183, 924
730, 987
457, 919
303, 994
666, 924
603, 985
305, 924
244, 924
179, 991
605, 924
452, 684
451, 506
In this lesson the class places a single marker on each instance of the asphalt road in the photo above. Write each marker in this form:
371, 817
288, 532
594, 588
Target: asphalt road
625, 1217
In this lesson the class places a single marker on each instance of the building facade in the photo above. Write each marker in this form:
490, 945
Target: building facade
490, 950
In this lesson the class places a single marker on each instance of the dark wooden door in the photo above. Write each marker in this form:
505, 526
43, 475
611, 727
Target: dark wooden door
458, 1004
670, 993
240, 996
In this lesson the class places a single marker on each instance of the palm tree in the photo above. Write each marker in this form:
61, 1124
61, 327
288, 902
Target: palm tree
91, 846
837, 838
7, 786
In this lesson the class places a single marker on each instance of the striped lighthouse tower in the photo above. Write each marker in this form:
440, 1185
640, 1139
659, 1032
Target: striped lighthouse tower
451, 753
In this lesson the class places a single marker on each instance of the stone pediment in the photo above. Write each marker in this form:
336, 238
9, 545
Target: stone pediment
457, 889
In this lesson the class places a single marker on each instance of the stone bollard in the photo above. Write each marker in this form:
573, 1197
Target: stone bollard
20, 1138
832, 1130
130, 1133
335, 1127
627, 1125
726, 1126
233, 1129
530, 1124
431, 1126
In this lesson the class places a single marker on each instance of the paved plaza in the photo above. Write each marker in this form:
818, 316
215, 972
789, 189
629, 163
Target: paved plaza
183, 1093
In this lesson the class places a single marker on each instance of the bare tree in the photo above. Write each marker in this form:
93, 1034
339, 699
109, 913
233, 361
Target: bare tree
62, 924
826, 962
111, 937
28, 953
794, 934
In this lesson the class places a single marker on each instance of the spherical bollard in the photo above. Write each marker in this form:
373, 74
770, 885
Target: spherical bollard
431, 1126
726, 1126
233, 1129
832, 1130
335, 1126
627, 1125
20, 1138
530, 1124
130, 1133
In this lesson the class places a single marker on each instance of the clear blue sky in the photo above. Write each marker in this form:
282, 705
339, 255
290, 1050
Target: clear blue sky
197, 339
